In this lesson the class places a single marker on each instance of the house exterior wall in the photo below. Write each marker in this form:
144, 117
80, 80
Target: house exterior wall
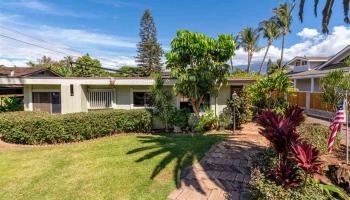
303, 84
27, 98
72, 103
219, 103
317, 85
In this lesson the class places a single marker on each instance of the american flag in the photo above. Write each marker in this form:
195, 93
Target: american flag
339, 119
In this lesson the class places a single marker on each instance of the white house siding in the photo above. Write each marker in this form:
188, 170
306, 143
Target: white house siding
72, 104
221, 100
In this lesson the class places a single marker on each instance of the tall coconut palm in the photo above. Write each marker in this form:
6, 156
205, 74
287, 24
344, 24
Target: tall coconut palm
326, 12
283, 17
270, 31
248, 39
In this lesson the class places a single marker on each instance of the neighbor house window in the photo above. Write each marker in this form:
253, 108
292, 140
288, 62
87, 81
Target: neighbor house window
142, 99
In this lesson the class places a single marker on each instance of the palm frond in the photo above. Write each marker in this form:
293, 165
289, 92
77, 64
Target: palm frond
301, 9
346, 11
327, 13
315, 7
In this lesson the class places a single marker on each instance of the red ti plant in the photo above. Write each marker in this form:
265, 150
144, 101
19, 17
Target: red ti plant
287, 175
280, 130
295, 115
307, 158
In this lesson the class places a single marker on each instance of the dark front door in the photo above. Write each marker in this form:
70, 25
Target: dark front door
47, 102
56, 102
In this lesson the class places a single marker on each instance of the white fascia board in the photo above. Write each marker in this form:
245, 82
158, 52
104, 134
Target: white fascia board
52, 81
80, 81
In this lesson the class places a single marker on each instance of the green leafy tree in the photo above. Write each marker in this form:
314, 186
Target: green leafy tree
199, 63
270, 31
283, 17
148, 49
326, 12
62, 67
162, 101
128, 71
248, 39
86, 66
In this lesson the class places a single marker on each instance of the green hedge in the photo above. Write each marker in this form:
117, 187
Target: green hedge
42, 128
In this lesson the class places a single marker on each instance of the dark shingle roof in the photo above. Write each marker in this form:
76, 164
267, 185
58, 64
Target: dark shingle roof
23, 71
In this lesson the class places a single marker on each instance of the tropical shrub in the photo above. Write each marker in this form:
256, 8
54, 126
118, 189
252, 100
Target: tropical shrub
264, 187
243, 111
206, 122
269, 91
10, 104
281, 131
162, 101
42, 128
180, 118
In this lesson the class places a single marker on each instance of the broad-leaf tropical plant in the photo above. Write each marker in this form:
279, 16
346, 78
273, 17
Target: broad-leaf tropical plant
248, 39
199, 63
287, 175
162, 100
307, 158
283, 17
270, 31
280, 129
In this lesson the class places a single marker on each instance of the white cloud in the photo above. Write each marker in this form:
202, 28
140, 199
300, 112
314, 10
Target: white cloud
308, 33
111, 50
44, 8
314, 44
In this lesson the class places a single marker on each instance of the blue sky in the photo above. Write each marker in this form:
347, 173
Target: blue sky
108, 29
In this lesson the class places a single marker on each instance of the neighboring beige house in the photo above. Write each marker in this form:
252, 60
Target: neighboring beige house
70, 95
306, 74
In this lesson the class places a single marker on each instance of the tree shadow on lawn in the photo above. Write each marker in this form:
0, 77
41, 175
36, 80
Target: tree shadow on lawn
184, 149
221, 164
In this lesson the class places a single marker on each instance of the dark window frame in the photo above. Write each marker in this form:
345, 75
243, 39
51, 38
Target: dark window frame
142, 99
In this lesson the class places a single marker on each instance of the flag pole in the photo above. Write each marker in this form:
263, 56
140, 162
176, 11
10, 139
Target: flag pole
347, 127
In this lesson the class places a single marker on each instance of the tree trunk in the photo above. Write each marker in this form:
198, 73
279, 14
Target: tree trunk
267, 50
231, 62
249, 60
283, 42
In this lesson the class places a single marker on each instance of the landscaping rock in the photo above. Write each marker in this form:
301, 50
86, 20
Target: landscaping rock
340, 174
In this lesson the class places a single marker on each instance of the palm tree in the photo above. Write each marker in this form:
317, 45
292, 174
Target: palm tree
326, 13
270, 31
283, 17
248, 39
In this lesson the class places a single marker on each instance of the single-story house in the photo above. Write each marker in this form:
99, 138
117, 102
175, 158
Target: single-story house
306, 73
14, 90
60, 95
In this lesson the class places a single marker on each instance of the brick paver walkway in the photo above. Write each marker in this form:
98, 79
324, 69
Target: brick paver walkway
224, 172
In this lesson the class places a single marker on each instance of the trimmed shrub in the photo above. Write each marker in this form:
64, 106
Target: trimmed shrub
42, 128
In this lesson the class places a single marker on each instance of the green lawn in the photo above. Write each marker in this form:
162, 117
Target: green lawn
122, 167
